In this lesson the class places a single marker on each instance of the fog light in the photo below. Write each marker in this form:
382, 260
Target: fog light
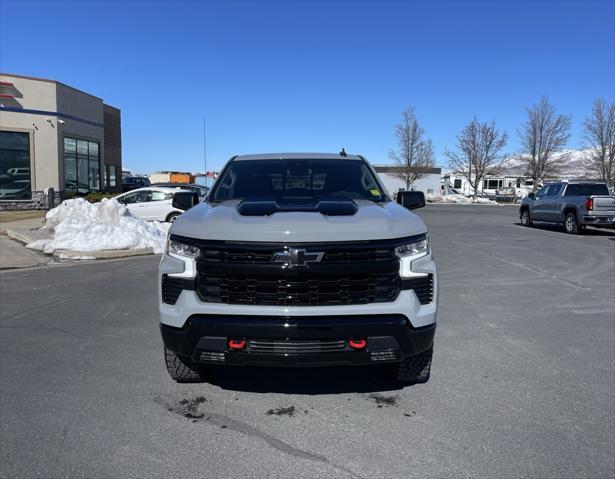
237, 344
357, 343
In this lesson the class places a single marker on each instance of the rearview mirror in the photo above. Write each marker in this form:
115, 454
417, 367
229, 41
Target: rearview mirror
531, 196
185, 200
411, 199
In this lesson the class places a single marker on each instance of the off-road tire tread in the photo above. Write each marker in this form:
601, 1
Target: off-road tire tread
181, 369
415, 369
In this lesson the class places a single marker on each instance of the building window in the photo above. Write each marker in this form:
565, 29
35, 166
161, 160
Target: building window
111, 175
457, 184
15, 166
81, 166
492, 184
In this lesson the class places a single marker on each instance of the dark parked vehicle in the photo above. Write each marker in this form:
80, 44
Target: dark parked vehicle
198, 189
130, 183
573, 204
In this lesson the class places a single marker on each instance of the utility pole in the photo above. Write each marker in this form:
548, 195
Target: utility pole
205, 147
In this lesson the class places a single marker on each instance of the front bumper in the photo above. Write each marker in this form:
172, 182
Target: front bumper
297, 340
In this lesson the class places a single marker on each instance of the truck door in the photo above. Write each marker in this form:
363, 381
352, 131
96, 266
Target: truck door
552, 204
159, 205
537, 207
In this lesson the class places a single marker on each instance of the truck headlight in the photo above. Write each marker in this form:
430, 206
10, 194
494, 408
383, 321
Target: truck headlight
417, 248
182, 249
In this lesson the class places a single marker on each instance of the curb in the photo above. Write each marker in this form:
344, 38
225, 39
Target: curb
16, 235
23, 237
103, 254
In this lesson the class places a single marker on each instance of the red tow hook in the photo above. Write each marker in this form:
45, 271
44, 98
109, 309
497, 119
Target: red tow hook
357, 343
237, 344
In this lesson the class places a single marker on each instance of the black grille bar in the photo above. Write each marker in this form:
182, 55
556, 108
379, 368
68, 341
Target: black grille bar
344, 252
302, 288
287, 346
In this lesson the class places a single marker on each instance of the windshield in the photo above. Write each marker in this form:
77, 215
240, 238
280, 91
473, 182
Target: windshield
297, 179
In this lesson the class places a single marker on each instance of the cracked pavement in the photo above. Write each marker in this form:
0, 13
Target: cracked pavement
523, 380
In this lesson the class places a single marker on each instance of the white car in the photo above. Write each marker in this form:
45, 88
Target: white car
152, 203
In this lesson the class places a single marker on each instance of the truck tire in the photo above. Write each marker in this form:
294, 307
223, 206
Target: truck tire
414, 369
181, 369
570, 223
525, 217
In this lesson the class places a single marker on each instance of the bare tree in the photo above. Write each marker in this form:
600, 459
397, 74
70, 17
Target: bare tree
543, 136
478, 152
415, 154
600, 138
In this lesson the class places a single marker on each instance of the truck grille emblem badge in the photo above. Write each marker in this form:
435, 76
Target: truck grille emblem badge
296, 257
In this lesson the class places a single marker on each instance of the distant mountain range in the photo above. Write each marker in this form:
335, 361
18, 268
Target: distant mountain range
574, 165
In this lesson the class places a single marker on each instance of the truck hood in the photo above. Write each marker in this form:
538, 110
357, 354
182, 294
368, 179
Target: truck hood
372, 221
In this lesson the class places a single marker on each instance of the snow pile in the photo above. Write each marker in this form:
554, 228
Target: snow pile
457, 199
79, 225
483, 201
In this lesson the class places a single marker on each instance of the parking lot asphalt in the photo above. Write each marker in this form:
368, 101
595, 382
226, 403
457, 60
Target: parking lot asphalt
523, 379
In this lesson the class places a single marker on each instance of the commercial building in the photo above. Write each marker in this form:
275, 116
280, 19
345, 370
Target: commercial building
428, 183
55, 136
171, 177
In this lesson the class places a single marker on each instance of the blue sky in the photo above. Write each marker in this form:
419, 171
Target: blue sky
312, 76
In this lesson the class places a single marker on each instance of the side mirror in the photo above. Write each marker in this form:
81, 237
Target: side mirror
531, 196
411, 199
185, 200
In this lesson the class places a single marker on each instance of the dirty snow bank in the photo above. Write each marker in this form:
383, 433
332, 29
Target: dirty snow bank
79, 225
457, 199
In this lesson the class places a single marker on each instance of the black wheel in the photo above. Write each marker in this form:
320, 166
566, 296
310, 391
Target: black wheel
525, 217
172, 217
570, 224
414, 369
182, 369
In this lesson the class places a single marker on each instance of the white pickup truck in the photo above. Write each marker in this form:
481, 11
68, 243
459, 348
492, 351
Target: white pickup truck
299, 260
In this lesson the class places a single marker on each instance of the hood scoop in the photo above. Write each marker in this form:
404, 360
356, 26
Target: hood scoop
329, 206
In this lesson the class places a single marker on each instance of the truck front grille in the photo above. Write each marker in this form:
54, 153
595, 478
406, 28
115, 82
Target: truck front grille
304, 288
342, 253
345, 273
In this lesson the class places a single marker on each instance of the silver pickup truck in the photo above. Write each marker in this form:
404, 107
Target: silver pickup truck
299, 259
573, 204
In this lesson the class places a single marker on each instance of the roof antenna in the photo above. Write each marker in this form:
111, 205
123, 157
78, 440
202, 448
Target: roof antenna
343, 153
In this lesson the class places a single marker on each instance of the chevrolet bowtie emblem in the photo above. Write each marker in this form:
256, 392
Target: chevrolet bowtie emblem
296, 257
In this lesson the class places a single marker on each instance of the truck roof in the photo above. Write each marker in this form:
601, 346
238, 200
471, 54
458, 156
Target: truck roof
296, 156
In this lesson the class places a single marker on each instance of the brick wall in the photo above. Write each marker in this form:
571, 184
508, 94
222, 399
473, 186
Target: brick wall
38, 202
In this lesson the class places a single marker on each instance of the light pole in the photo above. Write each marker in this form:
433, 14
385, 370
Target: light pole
205, 146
